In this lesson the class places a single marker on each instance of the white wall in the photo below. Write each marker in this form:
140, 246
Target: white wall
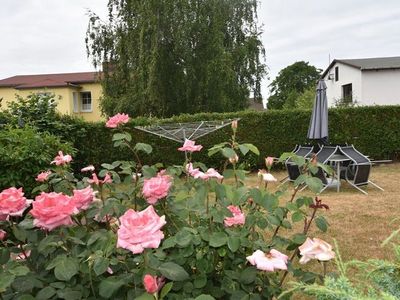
347, 75
380, 87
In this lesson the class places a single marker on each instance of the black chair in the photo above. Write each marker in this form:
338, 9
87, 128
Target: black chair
357, 172
323, 156
293, 169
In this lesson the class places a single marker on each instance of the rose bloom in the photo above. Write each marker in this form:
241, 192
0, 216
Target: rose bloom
270, 262
95, 180
269, 161
140, 230
189, 146
234, 159
152, 284
268, 177
118, 119
43, 176
237, 219
61, 159
12, 203
24, 254
83, 197
89, 168
315, 249
51, 210
196, 173
157, 187
234, 124
3, 234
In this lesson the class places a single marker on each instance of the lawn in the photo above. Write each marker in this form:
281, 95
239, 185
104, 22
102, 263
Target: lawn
359, 222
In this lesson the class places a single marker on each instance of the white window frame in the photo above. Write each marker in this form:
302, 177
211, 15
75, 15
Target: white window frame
83, 105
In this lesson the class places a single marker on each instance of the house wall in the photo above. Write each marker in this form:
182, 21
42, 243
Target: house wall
380, 87
64, 97
347, 75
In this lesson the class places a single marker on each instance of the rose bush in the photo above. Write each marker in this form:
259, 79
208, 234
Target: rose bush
158, 232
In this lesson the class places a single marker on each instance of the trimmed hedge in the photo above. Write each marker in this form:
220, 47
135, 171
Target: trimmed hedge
374, 130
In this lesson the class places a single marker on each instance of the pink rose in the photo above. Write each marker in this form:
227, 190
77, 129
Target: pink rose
196, 173
156, 188
89, 168
118, 119
152, 284
233, 160
212, 173
237, 219
234, 124
270, 262
24, 254
51, 210
267, 177
189, 146
95, 180
61, 159
12, 203
315, 249
140, 230
83, 197
269, 161
42, 177
3, 234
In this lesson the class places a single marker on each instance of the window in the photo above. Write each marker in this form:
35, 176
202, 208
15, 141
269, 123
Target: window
86, 102
347, 93
336, 73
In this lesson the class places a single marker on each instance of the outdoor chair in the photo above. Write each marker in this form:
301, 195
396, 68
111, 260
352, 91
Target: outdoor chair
323, 156
357, 172
292, 169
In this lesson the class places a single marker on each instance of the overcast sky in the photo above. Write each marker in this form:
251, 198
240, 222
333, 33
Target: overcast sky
47, 36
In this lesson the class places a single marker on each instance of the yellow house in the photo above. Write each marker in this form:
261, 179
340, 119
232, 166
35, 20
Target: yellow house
78, 94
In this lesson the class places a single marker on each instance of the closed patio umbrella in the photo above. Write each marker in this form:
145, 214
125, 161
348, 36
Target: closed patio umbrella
318, 129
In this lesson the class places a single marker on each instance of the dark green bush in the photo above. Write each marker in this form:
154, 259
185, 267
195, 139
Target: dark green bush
24, 153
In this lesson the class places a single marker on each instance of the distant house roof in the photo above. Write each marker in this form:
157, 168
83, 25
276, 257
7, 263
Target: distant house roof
49, 80
377, 63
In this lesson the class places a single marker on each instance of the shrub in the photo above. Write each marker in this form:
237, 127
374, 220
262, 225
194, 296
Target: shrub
24, 152
177, 233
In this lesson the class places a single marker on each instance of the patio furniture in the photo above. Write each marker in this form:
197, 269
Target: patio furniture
357, 172
293, 169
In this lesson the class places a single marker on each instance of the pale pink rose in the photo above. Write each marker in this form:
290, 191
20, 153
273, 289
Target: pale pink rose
196, 173
61, 159
83, 197
95, 180
234, 159
274, 260
3, 234
189, 146
12, 203
24, 254
89, 168
234, 124
269, 161
212, 173
237, 219
110, 271
43, 176
118, 119
315, 249
51, 210
156, 188
140, 230
267, 177
152, 284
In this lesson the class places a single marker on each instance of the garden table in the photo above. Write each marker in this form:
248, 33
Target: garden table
338, 159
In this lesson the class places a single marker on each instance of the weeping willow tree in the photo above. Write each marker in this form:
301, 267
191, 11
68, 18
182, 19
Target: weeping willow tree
166, 57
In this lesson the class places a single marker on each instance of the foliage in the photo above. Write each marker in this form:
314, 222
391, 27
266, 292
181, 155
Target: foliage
374, 279
163, 58
306, 99
24, 153
291, 82
199, 257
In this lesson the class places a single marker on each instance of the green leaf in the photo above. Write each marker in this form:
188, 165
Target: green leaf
5, 281
146, 148
173, 271
100, 265
4, 255
108, 166
20, 270
145, 296
248, 275
244, 149
204, 297
321, 223
299, 238
273, 220
218, 239
252, 148
183, 238
45, 293
166, 289
26, 224
314, 183
109, 286
297, 216
19, 233
200, 281
66, 268
233, 243
121, 136
228, 152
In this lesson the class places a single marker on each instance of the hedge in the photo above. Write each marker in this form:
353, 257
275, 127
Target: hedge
374, 130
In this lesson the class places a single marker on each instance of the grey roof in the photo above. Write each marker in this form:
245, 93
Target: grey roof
377, 63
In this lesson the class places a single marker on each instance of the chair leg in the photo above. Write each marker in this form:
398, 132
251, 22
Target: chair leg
303, 188
323, 189
375, 185
283, 180
353, 185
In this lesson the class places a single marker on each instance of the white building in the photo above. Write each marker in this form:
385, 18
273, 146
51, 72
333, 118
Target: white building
366, 81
